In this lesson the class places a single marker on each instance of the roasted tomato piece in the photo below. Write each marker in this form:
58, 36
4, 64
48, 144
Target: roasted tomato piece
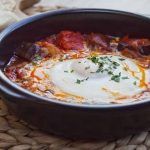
99, 40
11, 73
69, 40
14, 73
20, 73
141, 45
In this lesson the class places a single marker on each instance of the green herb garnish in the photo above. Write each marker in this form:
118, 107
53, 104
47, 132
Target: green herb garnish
116, 78
68, 71
94, 59
106, 65
86, 68
72, 71
121, 59
79, 81
125, 78
134, 82
110, 72
87, 78
115, 63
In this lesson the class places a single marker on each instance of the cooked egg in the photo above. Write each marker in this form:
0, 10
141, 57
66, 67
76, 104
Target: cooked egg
103, 78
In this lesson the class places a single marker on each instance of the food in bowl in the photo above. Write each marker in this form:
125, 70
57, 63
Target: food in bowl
84, 68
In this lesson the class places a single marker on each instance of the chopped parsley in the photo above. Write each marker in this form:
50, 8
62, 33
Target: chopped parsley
68, 71
116, 78
121, 59
134, 82
115, 63
110, 72
94, 59
105, 64
99, 70
87, 78
125, 78
79, 81
86, 68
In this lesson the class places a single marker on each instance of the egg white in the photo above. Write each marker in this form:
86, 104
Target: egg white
79, 78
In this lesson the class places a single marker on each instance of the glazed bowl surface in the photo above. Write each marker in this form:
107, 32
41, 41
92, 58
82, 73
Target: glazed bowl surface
67, 119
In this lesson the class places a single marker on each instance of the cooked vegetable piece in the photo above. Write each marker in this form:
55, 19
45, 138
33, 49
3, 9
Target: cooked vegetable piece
47, 49
122, 46
99, 40
134, 44
137, 43
129, 53
27, 50
145, 50
68, 40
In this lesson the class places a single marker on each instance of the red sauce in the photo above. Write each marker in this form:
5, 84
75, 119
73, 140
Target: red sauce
73, 45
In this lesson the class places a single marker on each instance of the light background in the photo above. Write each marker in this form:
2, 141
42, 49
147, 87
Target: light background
137, 6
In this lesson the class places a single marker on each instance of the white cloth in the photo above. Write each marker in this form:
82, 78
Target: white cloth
136, 6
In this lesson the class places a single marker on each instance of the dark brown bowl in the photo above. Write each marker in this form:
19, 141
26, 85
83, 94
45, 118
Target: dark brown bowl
74, 120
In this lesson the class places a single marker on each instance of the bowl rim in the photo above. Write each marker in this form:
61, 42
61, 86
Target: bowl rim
42, 99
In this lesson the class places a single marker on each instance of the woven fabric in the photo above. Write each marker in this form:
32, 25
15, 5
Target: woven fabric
16, 134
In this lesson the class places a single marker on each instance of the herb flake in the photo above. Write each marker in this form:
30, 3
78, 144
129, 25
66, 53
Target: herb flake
116, 78
125, 78
79, 81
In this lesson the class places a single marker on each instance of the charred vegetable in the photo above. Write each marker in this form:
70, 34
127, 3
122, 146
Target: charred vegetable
141, 46
99, 40
27, 50
145, 50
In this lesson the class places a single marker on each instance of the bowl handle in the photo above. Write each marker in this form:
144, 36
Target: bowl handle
9, 92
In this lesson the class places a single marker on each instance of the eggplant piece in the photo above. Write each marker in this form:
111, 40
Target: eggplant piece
122, 46
144, 50
27, 50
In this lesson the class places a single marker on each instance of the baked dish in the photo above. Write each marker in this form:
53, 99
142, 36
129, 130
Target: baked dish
84, 68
